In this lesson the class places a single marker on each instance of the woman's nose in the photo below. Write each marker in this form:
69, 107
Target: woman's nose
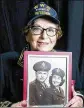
44, 35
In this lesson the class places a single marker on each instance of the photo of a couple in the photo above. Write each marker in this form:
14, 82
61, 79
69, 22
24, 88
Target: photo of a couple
41, 93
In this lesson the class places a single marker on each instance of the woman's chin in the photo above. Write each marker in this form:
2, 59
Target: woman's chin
43, 49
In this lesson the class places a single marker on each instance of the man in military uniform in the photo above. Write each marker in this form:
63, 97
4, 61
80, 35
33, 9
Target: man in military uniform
37, 87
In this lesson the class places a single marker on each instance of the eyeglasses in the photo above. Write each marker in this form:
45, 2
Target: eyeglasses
37, 30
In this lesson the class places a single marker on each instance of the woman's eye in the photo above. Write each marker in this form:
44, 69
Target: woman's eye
35, 28
50, 30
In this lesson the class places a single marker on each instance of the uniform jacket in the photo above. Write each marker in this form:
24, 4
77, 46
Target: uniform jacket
54, 96
36, 93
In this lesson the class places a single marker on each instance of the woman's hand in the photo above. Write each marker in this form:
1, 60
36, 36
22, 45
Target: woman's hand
76, 101
20, 104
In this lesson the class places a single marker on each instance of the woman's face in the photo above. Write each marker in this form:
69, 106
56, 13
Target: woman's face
56, 80
42, 40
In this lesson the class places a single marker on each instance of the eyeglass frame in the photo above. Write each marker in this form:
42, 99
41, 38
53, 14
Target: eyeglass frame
42, 30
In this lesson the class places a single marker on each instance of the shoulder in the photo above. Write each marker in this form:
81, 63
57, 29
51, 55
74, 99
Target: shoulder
8, 62
33, 83
9, 55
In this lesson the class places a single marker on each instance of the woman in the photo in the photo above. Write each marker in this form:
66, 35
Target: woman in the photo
55, 94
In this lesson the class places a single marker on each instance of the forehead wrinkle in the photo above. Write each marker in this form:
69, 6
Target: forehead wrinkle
44, 23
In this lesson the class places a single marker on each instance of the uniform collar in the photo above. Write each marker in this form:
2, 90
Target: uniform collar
43, 85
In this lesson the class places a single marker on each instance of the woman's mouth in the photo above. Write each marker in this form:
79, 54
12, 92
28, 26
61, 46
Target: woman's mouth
43, 43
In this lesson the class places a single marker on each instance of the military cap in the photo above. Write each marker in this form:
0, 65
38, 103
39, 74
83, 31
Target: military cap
58, 71
41, 10
42, 66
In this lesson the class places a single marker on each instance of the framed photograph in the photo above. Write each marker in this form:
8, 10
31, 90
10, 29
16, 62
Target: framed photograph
47, 78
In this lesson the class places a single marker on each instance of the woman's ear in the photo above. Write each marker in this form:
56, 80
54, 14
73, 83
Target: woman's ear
27, 38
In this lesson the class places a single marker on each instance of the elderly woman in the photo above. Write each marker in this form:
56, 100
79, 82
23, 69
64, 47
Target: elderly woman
42, 32
54, 95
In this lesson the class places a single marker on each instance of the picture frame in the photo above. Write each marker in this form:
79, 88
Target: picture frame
32, 92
